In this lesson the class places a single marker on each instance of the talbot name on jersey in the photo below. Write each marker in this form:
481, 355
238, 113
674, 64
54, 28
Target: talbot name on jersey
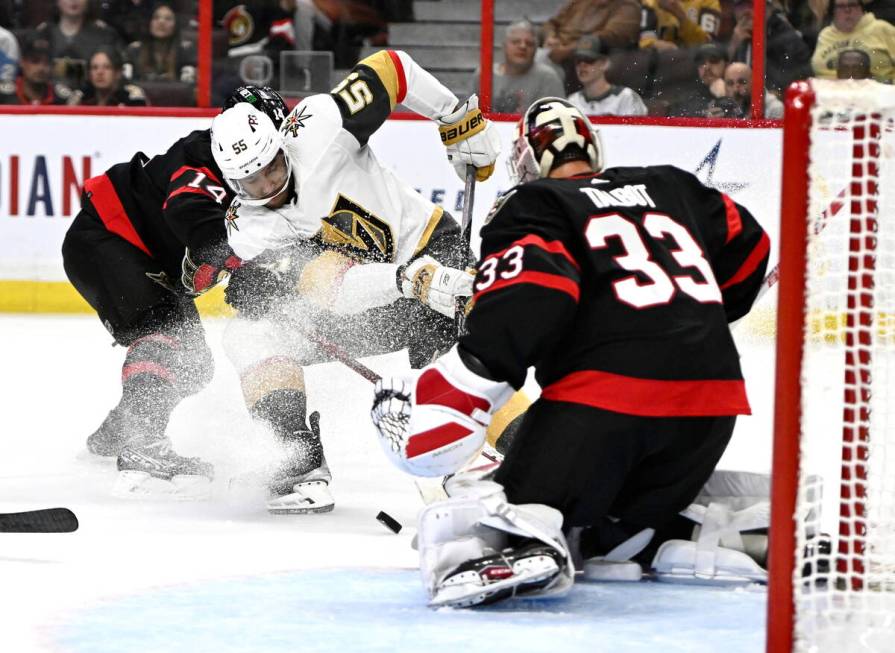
630, 195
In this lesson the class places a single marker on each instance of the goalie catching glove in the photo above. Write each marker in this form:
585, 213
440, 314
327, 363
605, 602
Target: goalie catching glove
433, 424
434, 284
470, 139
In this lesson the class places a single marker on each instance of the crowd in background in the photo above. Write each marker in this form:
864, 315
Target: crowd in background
610, 57
688, 57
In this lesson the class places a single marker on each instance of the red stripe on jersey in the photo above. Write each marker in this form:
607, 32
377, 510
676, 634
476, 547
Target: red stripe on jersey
650, 397
751, 263
436, 438
146, 367
433, 388
543, 279
552, 246
205, 171
111, 211
734, 221
402, 78
185, 189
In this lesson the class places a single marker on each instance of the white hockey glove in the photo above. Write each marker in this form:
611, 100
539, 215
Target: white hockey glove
433, 424
470, 139
434, 284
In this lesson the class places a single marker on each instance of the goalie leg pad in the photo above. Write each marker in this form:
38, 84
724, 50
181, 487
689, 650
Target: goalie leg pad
464, 557
719, 554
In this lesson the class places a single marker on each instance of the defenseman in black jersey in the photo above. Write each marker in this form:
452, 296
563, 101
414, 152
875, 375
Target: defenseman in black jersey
617, 285
151, 236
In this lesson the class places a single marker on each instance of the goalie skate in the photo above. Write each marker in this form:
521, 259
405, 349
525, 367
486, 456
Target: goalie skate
154, 470
308, 494
529, 570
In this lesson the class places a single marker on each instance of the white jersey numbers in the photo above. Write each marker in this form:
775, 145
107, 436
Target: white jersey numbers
512, 261
637, 257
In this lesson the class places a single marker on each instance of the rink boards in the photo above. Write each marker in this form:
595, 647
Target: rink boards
46, 158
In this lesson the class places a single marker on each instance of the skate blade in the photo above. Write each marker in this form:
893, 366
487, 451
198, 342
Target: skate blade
465, 590
132, 484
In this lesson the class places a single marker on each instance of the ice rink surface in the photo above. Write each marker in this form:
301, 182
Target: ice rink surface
224, 576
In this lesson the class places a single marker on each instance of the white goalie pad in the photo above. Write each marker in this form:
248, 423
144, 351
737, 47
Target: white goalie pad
475, 522
732, 514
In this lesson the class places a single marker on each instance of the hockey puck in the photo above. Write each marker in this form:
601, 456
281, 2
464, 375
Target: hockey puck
389, 522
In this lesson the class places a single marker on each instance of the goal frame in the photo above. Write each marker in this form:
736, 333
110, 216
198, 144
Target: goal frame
788, 397
791, 332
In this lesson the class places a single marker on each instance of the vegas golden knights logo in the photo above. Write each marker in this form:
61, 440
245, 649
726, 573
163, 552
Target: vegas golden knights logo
358, 233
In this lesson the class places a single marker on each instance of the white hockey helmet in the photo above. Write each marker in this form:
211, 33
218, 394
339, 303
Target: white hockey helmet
248, 149
551, 132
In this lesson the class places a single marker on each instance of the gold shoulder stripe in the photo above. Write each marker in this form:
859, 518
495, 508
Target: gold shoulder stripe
434, 219
381, 63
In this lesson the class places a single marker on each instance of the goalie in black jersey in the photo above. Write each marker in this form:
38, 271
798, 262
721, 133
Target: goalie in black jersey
151, 236
617, 285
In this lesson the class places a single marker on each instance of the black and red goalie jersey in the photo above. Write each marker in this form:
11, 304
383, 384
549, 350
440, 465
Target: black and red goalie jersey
618, 287
166, 203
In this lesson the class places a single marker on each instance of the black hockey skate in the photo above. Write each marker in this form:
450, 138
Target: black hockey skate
300, 484
152, 467
527, 570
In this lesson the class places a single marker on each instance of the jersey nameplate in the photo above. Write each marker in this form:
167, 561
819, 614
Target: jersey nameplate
629, 195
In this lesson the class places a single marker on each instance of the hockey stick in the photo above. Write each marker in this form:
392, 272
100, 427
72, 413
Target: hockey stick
48, 520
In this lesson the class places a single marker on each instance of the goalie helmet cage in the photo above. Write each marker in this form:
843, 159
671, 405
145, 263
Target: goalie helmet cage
832, 543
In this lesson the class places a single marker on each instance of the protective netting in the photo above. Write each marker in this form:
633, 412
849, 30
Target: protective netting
845, 564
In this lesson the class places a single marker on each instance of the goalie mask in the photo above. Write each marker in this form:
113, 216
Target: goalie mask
552, 132
248, 149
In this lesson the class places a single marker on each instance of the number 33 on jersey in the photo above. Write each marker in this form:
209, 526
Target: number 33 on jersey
595, 274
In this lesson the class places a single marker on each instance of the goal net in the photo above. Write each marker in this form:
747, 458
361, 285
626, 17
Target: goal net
833, 524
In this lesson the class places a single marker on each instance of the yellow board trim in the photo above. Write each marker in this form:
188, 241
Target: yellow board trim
382, 65
61, 297
434, 219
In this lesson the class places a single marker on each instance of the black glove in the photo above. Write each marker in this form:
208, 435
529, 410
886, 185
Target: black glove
253, 289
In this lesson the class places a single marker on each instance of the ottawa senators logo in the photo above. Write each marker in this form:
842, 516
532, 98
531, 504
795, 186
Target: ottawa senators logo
358, 233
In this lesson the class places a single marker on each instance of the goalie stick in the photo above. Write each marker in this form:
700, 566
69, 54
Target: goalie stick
47, 520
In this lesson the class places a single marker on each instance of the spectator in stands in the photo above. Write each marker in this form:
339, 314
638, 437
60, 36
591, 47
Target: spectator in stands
33, 85
105, 85
808, 18
597, 96
163, 55
853, 29
129, 18
669, 24
711, 60
616, 22
853, 64
519, 81
9, 55
724, 107
738, 86
787, 57
73, 35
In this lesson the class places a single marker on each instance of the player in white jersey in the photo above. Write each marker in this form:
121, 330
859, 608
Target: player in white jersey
335, 243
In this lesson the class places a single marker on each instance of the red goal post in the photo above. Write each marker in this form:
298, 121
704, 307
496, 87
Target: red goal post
832, 546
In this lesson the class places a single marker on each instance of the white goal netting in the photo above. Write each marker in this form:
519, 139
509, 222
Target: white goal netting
845, 559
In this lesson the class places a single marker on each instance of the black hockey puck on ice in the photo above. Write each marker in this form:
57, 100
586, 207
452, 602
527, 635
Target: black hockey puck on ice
389, 522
